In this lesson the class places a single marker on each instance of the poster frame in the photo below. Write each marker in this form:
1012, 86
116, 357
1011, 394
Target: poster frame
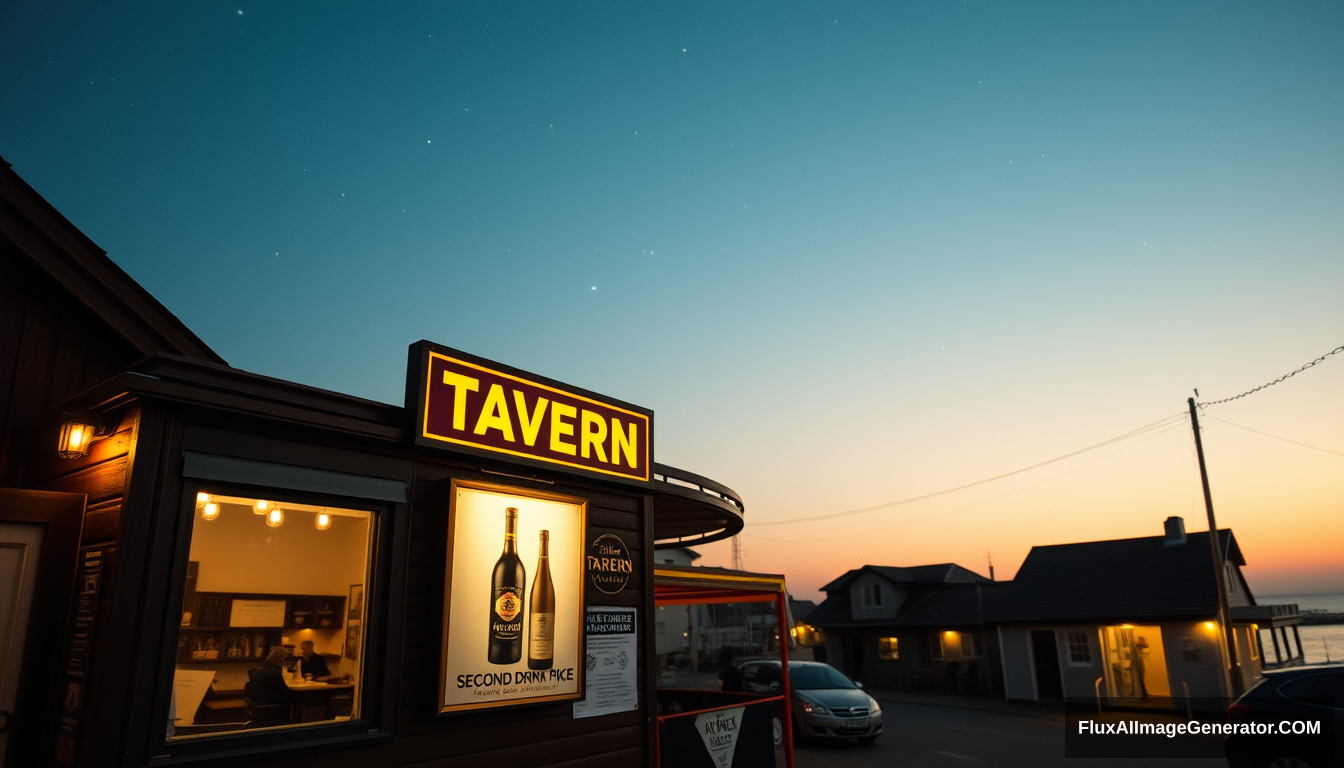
580, 611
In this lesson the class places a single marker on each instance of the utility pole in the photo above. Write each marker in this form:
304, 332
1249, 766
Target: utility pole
737, 554
1232, 669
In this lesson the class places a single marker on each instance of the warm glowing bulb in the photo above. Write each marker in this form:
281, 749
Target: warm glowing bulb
322, 522
276, 517
261, 507
210, 512
1208, 625
202, 498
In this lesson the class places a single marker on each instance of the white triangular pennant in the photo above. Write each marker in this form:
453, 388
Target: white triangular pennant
719, 731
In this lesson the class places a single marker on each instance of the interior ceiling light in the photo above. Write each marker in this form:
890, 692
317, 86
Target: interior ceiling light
275, 517
322, 522
209, 511
261, 507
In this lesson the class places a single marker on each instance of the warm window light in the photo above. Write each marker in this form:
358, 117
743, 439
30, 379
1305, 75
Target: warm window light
78, 429
1208, 625
210, 511
322, 522
261, 507
276, 517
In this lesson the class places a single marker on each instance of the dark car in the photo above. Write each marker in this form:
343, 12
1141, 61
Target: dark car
1296, 698
826, 704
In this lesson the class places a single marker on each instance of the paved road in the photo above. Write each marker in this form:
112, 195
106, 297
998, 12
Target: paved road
922, 735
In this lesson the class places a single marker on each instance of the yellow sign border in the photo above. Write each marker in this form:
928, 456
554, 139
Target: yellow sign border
424, 426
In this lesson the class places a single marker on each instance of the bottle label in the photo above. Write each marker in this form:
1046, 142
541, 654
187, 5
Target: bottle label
542, 642
507, 605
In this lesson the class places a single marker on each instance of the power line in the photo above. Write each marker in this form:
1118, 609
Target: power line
1285, 376
1156, 424
1276, 437
868, 532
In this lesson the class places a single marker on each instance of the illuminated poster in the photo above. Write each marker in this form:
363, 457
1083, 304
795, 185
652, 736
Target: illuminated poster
513, 607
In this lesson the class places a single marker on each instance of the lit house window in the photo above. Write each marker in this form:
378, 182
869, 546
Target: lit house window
1080, 650
870, 595
272, 617
888, 649
1251, 643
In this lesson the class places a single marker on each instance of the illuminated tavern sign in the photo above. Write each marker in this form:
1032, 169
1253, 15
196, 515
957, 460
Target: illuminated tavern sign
471, 404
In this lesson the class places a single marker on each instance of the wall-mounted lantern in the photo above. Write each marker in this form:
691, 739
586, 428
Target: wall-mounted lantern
79, 429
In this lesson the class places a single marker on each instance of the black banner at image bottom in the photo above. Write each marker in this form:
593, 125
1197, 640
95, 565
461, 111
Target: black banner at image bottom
1158, 727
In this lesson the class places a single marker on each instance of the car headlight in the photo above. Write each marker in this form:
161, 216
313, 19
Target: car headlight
812, 708
876, 708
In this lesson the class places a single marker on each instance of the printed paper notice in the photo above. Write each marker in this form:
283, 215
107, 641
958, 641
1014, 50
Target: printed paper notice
611, 682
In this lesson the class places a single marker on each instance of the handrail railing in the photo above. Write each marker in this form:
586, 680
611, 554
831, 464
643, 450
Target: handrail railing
684, 479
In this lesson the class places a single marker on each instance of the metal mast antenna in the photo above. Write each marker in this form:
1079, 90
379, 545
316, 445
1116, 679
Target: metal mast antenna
737, 554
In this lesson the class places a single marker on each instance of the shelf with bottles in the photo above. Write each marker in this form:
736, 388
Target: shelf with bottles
211, 646
315, 612
253, 610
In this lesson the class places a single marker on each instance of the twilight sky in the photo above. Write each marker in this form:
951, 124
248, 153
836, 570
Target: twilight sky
849, 253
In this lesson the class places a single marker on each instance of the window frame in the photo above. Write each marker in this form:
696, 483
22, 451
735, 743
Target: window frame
936, 650
1069, 643
975, 640
381, 637
864, 596
889, 648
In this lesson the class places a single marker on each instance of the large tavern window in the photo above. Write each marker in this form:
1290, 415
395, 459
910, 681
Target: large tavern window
272, 625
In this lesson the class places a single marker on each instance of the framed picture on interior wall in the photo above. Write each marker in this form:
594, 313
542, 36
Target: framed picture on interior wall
352, 628
356, 601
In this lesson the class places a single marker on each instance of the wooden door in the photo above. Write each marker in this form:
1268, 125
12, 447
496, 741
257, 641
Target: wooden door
39, 538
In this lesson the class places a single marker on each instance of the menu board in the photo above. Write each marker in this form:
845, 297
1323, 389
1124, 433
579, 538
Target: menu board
257, 613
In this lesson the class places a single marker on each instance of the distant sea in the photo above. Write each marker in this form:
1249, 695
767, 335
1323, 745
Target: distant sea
1320, 642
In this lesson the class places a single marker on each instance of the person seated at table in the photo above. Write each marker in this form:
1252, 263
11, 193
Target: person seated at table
311, 663
266, 684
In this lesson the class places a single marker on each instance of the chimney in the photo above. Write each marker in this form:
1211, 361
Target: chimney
1175, 527
991, 572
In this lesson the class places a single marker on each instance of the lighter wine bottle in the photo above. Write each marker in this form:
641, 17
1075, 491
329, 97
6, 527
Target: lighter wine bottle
541, 612
506, 598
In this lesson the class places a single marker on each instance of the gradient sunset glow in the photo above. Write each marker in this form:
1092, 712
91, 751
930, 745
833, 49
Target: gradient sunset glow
848, 253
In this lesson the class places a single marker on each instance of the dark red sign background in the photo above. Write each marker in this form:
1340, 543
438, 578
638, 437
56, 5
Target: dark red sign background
461, 410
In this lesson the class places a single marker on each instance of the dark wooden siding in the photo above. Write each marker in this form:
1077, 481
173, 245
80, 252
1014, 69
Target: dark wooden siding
51, 349
102, 476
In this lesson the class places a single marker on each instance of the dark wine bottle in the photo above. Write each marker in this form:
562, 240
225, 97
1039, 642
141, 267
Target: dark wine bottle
541, 612
506, 598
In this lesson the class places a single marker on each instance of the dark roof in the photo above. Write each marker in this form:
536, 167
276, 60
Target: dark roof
58, 249
833, 612
801, 609
942, 573
1124, 580
937, 606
